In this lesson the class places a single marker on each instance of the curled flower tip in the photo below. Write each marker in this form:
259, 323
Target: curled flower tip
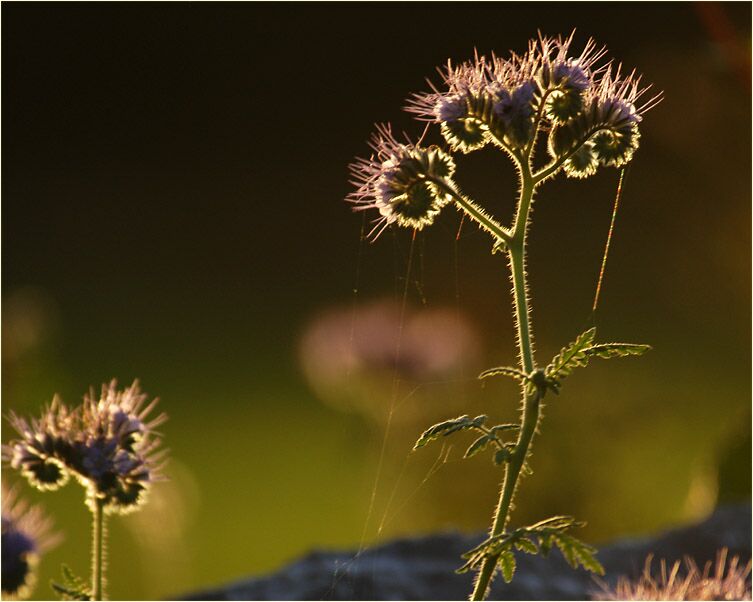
44, 444
605, 131
577, 97
27, 533
463, 109
406, 183
117, 455
109, 444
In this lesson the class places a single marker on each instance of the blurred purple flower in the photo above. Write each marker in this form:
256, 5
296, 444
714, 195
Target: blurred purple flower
352, 359
26, 535
107, 443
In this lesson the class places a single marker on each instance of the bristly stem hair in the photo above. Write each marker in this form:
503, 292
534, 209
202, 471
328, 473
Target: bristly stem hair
590, 114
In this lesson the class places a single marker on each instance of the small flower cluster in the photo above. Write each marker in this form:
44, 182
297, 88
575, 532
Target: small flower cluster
588, 109
107, 444
26, 534
406, 183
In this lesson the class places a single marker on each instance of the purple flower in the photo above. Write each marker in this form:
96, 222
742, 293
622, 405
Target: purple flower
516, 109
108, 444
26, 535
499, 99
450, 108
403, 182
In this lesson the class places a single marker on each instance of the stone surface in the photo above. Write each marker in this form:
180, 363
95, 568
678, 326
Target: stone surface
423, 568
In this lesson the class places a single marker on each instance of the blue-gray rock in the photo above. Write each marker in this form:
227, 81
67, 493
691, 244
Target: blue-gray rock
423, 568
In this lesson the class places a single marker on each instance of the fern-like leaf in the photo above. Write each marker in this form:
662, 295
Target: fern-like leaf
506, 564
577, 553
526, 545
545, 543
73, 587
504, 371
609, 350
572, 356
448, 427
479, 445
501, 428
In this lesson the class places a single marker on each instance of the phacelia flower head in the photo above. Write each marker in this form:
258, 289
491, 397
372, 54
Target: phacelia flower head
26, 535
45, 443
406, 183
108, 444
606, 129
459, 110
590, 111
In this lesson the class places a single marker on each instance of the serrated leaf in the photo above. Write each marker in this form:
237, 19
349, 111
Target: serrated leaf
505, 371
478, 445
545, 544
609, 350
506, 564
566, 549
590, 563
526, 545
572, 356
448, 427
74, 588
577, 552
67, 593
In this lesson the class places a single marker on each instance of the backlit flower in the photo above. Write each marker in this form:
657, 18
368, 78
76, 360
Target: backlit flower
108, 443
405, 183
589, 109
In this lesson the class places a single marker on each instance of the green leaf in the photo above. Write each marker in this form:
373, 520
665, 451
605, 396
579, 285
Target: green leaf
545, 544
501, 456
609, 350
501, 428
507, 565
73, 587
577, 552
505, 371
526, 545
555, 523
572, 356
447, 427
478, 445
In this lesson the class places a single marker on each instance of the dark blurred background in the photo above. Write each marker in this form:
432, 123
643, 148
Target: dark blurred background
172, 187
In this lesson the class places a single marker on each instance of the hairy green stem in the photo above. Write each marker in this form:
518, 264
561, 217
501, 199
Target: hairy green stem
476, 213
98, 550
516, 253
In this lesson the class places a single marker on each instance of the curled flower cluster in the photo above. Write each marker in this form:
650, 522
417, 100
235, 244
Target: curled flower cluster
107, 444
26, 534
587, 108
406, 183
590, 111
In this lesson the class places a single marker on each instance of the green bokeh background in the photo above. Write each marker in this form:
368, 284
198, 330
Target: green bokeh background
172, 185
